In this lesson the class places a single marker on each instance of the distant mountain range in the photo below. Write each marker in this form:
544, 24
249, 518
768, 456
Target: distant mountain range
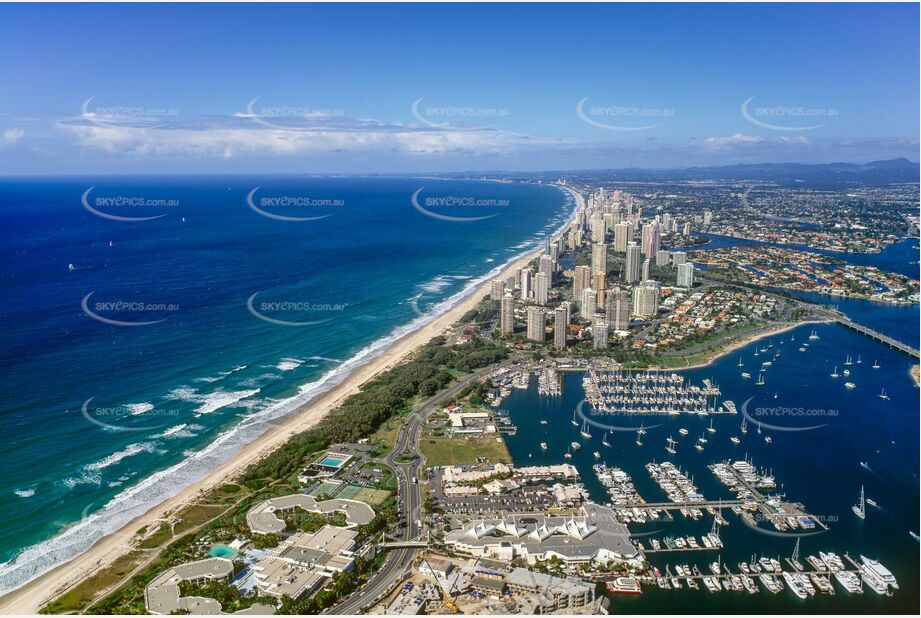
784, 174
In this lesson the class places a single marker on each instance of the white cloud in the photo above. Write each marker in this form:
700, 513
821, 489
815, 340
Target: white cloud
11, 136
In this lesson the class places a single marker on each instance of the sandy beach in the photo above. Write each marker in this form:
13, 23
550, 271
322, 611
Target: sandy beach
29, 598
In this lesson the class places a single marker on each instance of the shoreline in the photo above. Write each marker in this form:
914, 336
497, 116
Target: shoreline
31, 596
744, 341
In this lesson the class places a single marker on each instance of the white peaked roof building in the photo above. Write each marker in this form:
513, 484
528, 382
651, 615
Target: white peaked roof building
593, 536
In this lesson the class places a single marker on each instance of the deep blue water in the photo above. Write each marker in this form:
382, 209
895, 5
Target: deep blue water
101, 420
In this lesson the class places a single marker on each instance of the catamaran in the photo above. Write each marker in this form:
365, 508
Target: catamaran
848, 362
813, 336
671, 446
860, 509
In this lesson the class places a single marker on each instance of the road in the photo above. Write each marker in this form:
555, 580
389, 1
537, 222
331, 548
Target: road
399, 560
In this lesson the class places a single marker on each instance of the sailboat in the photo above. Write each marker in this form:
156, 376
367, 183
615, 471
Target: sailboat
813, 336
574, 422
604, 440
584, 432
741, 364
835, 373
848, 362
876, 364
794, 558
671, 446
639, 439
641, 431
568, 454
711, 429
744, 427
860, 509
700, 443
858, 359
760, 381
882, 395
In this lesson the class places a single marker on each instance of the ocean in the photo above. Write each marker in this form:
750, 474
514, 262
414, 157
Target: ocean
820, 467
155, 325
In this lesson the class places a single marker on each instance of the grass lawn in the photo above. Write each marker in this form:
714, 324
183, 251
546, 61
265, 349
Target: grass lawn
77, 598
439, 451
191, 517
374, 497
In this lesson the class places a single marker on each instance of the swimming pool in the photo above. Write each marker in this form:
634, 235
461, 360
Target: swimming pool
332, 462
222, 551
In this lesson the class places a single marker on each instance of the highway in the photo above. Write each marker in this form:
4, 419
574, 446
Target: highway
398, 561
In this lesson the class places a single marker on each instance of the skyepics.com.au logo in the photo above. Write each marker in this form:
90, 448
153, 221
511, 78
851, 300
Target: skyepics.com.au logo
272, 207
119, 312
787, 418
623, 117
289, 117
126, 116
293, 312
116, 207
458, 117
775, 117
634, 420
128, 417
462, 207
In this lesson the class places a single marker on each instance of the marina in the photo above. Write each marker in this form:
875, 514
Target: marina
763, 521
653, 392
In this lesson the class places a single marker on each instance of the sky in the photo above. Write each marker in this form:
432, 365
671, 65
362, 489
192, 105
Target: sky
208, 88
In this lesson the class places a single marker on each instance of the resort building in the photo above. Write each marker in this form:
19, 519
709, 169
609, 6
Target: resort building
162, 595
263, 518
304, 561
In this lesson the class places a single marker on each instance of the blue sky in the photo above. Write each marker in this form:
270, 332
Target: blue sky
162, 88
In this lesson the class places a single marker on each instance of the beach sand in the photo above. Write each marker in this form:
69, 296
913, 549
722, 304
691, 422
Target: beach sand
29, 598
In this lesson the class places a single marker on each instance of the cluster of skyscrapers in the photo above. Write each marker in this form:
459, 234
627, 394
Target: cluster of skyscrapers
603, 307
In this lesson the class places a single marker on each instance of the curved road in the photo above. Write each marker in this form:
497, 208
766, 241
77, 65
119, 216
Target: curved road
399, 560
